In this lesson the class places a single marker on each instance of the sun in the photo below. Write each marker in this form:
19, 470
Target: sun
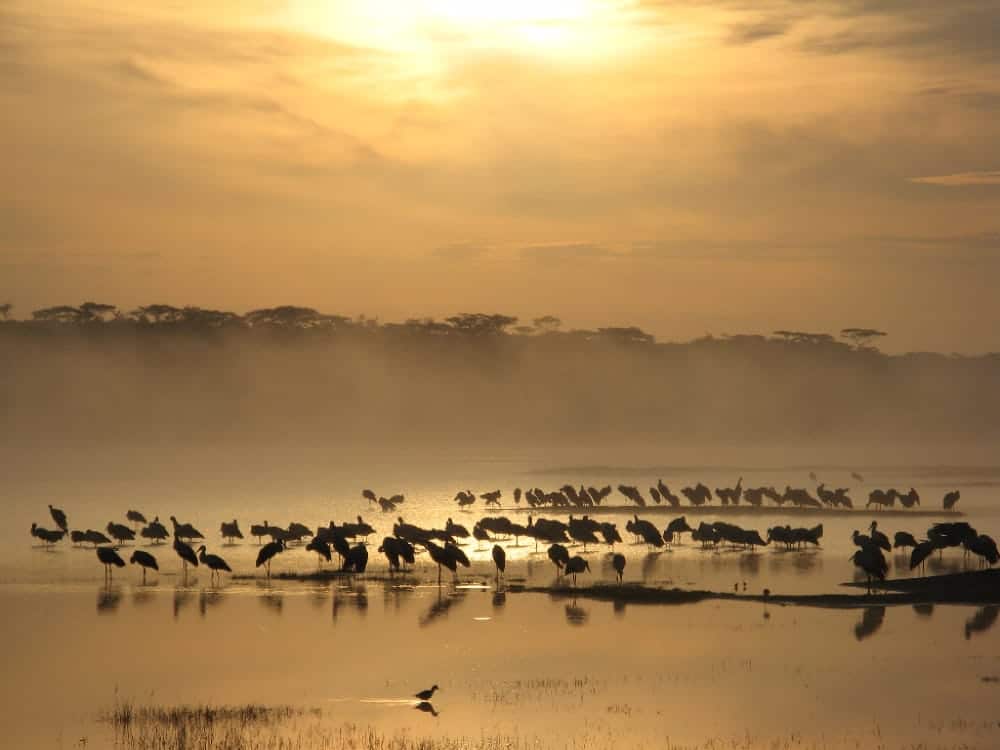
564, 27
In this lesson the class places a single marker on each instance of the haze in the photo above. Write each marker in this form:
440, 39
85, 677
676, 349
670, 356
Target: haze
687, 167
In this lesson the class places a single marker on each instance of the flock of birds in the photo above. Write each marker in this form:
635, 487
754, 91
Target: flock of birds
870, 555
348, 540
588, 496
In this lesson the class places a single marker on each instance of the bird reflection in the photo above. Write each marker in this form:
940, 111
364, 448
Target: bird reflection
142, 596
871, 621
576, 615
619, 607
649, 565
982, 620
943, 566
208, 599
182, 598
924, 610
427, 707
499, 599
274, 601
108, 599
750, 564
440, 607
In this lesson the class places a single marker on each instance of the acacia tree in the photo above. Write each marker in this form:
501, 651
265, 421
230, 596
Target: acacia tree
481, 324
58, 314
803, 337
862, 337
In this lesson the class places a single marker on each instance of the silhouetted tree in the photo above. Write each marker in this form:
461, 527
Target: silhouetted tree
289, 316
481, 324
629, 335
97, 312
802, 337
58, 314
861, 337
547, 323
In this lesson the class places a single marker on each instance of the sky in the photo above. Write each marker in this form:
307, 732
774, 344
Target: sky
690, 167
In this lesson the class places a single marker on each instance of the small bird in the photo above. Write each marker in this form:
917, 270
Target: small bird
426, 695
499, 559
145, 561
134, 516
576, 565
618, 563
109, 557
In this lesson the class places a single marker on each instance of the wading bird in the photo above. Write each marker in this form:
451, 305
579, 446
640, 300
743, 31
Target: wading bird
120, 533
59, 517
230, 531
185, 553
618, 562
109, 558
576, 565
213, 562
267, 552
559, 556
48, 536
185, 530
426, 695
499, 559
155, 531
134, 516
144, 560
871, 560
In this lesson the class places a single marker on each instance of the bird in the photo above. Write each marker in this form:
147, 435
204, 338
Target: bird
59, 517
48, 536
95, 537
618, 563
186, 554
480, 535
321, 548
879, 538
267, 552
120, 533
499, 559
856, 476
426, 695
134, 516
145, 561
871, 560
949, 499
985, 548
456, 530
109, 558
155, 531
903, 539
576, 565
230, 531
214, 563
356, 559
559, 556
921, 551
185, 530
369, 495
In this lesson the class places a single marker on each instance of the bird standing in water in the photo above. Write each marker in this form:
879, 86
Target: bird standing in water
499, 559
618, 562
426, 695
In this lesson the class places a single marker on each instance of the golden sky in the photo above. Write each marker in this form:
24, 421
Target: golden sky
689, 167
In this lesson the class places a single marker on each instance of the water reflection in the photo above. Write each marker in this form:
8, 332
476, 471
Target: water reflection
619, 607
871, 621
649, 565
750, 564
924, 610
441, 606
427, 707
499, 599
143, 595
576, 615
982, 620
108, 600
207, 599
182, 597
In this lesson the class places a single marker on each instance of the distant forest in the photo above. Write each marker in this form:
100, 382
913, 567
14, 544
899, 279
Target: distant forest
164, 374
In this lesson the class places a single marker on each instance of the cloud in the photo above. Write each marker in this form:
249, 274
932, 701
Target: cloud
961, 179
566, 252
460, 251
749, 33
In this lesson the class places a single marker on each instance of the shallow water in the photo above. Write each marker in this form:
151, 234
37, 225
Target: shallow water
569, 673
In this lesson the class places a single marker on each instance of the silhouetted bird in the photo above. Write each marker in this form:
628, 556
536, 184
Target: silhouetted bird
610, 533
985, 548
618, 563
441, 557
230, 531
871, 560
108, 558
320, 547
576, 565
214, 563
921, 551
144, 560
857, 477
456, 530
120, 532
356, 559
426, 695
185, 553
879, 538
951, 498
499, 559
59, 517
481, 535
185, 530
134, 516
903, 539
155, 531
77, 537
267, 552
559, 556
48, 536
369, 495
95, 537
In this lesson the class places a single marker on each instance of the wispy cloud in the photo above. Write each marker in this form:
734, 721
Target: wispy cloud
961, 179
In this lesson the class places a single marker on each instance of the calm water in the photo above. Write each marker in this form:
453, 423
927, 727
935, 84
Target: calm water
528, 665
